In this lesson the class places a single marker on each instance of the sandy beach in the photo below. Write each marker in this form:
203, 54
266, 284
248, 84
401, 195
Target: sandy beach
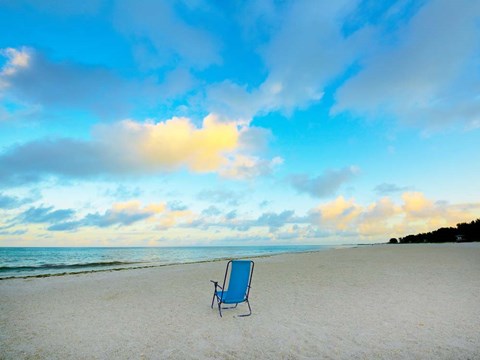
369, 302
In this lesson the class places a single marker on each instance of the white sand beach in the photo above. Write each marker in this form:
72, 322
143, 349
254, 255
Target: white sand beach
369, 302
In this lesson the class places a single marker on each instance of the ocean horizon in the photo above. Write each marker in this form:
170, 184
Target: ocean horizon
46, 261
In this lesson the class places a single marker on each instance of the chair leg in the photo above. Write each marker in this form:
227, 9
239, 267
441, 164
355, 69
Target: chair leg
213, 300
249, 308
220, 308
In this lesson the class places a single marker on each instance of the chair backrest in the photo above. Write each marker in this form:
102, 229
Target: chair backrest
240, 279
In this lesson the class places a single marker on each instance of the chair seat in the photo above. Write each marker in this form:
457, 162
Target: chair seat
226, 299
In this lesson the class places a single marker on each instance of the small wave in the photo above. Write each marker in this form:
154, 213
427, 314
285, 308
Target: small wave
64, 266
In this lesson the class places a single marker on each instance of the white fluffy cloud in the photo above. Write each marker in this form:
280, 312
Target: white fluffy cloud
428, 75
302, 57
415, 61
419, 68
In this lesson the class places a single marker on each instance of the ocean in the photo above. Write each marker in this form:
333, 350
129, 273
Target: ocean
38, 261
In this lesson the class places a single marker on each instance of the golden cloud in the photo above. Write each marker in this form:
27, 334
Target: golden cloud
339, 213
173, 217
135, 207
415, 203
416, 214
215, 146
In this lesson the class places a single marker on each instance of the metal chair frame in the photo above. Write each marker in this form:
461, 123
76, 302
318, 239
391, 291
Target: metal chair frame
219, 298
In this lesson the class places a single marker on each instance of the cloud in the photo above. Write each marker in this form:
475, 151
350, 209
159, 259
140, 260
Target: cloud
175, 142
324, 185
160, 216
231, 215
220, 196
211, 211
124, 214
254, 139
36, 83
178, 81
264, 203
378, 218
122, 192
33, 161
426, 214
341, 219
387, 189
429, 77
161, 37
416, 204
275, 220
234, 100
306, 234
129, 147
176, 205
16, 60
338, 213
38, 215
11, 202
65, 226
301, 58
172, 218
232, 220
384, 218
248, 167
414, 61
121, 214
28, 76
13, 232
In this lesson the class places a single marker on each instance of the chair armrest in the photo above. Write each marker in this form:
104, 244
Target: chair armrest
216, 284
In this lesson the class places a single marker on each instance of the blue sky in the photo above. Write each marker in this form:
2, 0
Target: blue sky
126, 123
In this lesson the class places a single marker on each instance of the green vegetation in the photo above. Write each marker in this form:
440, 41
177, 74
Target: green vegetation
464, 232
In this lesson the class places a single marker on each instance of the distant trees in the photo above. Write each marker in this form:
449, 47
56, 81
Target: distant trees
464, 232
471, 231
393, 241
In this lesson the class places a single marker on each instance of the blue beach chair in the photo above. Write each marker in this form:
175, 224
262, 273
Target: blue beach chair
238, 286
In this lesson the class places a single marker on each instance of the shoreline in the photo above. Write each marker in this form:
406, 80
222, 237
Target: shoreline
330, 247
169, 264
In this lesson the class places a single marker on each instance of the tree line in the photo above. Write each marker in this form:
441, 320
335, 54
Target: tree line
464, 232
